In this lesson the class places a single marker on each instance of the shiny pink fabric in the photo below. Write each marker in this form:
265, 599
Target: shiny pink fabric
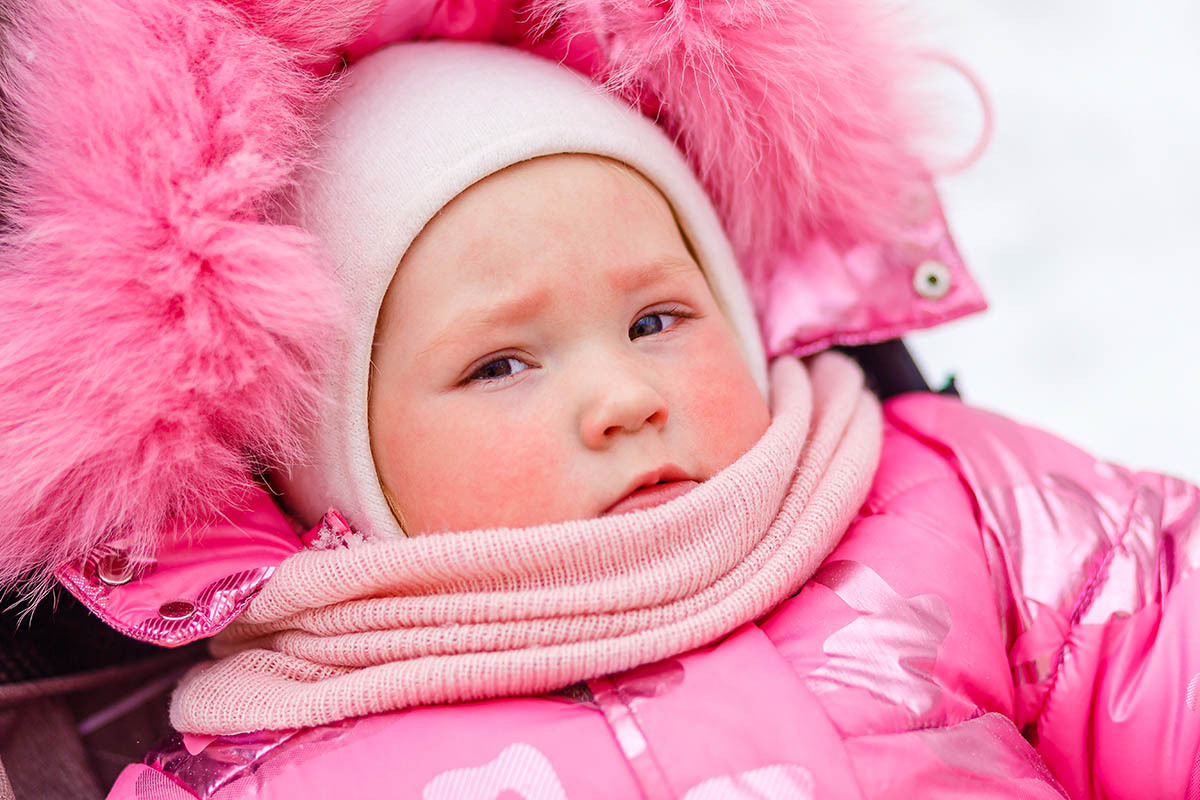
1008, 617
214, 567
865, 293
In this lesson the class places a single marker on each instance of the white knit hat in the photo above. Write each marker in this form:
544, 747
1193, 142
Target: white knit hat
410, 128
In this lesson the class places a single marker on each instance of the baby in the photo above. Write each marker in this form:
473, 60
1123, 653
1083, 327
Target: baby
564, 386
564, 532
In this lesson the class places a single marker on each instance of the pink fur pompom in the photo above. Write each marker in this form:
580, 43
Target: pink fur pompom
156, 335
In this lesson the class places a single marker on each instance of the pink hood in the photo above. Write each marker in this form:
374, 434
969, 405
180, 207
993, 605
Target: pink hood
161, 339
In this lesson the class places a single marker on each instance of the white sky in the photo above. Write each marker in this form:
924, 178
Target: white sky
1081, 222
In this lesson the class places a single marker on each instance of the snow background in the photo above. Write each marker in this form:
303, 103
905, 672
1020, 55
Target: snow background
1081, 222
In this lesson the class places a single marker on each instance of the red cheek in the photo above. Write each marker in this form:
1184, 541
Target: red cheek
467, 471
517, 477
721, 399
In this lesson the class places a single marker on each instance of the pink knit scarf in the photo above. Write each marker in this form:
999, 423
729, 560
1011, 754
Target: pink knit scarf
465, 616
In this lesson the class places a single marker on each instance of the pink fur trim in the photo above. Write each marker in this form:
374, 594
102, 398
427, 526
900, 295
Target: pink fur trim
317, 28
153, 332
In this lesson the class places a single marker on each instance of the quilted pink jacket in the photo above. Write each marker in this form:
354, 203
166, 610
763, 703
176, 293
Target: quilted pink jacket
1008, 617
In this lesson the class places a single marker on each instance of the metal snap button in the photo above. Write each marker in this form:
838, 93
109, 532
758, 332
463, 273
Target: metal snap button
931, 280
115, 569
177, 610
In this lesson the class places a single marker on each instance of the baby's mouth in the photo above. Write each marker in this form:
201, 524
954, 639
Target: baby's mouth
649, 496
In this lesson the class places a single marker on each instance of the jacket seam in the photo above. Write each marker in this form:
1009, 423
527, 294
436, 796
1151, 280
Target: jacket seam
930, 724
1082, 603
879, 503
177, 781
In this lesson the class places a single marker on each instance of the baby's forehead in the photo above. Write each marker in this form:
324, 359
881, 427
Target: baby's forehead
544, 186
545, 225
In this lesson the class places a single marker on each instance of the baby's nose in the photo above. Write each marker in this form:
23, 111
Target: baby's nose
625, 404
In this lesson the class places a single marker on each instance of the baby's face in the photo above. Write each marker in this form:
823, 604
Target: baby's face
549, 346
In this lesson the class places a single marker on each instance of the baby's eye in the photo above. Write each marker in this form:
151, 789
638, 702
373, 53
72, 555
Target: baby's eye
498, 368
649, 324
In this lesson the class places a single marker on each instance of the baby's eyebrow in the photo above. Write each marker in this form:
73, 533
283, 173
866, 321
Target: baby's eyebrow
650, 272
470, 323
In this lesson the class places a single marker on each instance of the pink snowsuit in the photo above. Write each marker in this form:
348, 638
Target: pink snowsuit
1008, 617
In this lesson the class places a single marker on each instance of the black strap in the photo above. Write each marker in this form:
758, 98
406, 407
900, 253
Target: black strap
891, 370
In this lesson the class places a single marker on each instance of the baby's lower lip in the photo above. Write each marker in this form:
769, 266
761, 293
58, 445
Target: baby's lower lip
651, 496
